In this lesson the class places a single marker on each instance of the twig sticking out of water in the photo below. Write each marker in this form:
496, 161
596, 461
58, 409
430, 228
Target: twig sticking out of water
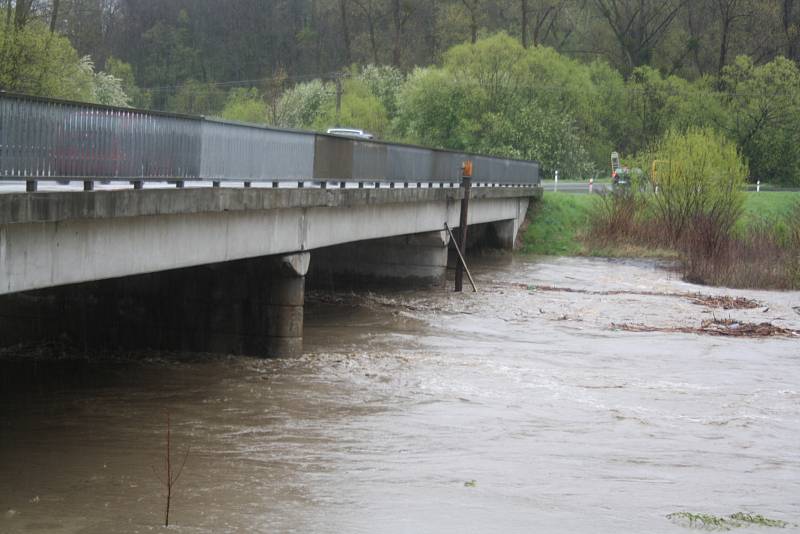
170, 477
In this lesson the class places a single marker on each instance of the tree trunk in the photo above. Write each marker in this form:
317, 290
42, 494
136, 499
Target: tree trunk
723, 44
524, 10
21, 12
398, 32
473, 28
372, 43
54, 16
345, 32
791, 27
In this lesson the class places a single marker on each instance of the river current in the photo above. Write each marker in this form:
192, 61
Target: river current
510, 410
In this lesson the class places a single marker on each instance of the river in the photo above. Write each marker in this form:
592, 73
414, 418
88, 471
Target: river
511, 410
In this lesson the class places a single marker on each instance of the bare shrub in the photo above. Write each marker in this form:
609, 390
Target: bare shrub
761, 257
615, 216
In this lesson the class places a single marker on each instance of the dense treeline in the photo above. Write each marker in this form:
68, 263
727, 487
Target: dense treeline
562, 81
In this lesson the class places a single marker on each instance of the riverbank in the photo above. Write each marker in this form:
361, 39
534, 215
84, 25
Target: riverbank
561, 225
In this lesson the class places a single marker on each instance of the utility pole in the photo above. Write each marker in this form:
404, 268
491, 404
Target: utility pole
338, 98
466, 184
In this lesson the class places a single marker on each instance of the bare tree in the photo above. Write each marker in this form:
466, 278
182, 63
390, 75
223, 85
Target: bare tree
22, 11
345, 32
474, 9
170, 476
790, 16
524, 22
401, 12
639, 25
729, 11
54, 16
367, 7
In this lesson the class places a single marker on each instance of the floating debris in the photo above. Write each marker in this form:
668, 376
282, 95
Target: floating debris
470, 484
716, 327
712, 522
725, 302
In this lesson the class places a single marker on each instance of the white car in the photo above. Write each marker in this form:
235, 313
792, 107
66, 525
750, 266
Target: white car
350, 132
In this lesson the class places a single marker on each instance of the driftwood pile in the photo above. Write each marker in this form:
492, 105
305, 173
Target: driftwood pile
712, 301
717, 327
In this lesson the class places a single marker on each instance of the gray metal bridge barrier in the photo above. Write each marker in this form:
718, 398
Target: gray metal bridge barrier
54, 140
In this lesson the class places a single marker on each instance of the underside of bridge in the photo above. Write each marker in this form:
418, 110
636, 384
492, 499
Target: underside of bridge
249, 307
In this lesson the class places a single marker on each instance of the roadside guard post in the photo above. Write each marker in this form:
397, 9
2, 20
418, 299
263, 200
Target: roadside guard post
466, 184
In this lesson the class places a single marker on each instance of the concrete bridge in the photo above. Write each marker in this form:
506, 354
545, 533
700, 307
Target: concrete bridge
220, 267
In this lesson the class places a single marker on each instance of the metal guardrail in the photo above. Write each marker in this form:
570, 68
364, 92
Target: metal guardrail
55, 140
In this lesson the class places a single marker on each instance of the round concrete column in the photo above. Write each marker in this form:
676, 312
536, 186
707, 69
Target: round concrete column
285, 308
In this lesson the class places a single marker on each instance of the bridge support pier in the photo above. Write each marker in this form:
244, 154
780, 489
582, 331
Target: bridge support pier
505, 232
418, 259
286, 296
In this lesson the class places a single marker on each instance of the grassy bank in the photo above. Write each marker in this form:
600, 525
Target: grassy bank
558, 225
562, 224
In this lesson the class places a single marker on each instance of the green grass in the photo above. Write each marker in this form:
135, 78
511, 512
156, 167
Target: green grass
557, 223
560, 221
768, 206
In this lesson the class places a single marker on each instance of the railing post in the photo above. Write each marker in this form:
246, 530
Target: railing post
31, 186
466, 184
88, 185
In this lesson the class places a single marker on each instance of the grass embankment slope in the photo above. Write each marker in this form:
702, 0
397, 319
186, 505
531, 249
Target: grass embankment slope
560, 223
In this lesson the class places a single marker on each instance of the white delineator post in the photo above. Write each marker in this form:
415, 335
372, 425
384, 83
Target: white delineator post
555, 185
591, 184
758, 186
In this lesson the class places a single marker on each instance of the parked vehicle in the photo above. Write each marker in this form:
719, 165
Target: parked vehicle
620, 176
350, 132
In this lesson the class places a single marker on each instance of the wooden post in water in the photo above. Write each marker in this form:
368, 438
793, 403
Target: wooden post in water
466, 184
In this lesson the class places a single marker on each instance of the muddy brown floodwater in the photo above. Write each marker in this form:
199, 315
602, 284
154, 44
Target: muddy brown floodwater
513, 410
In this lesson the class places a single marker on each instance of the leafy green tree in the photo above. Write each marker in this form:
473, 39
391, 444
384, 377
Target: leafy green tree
656, 104
35, 61
106, 88
168, 56
124, 72
495, 96
245, 105
359, 109
700, 179
383, 81
197, 98
300, 106
763, 114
